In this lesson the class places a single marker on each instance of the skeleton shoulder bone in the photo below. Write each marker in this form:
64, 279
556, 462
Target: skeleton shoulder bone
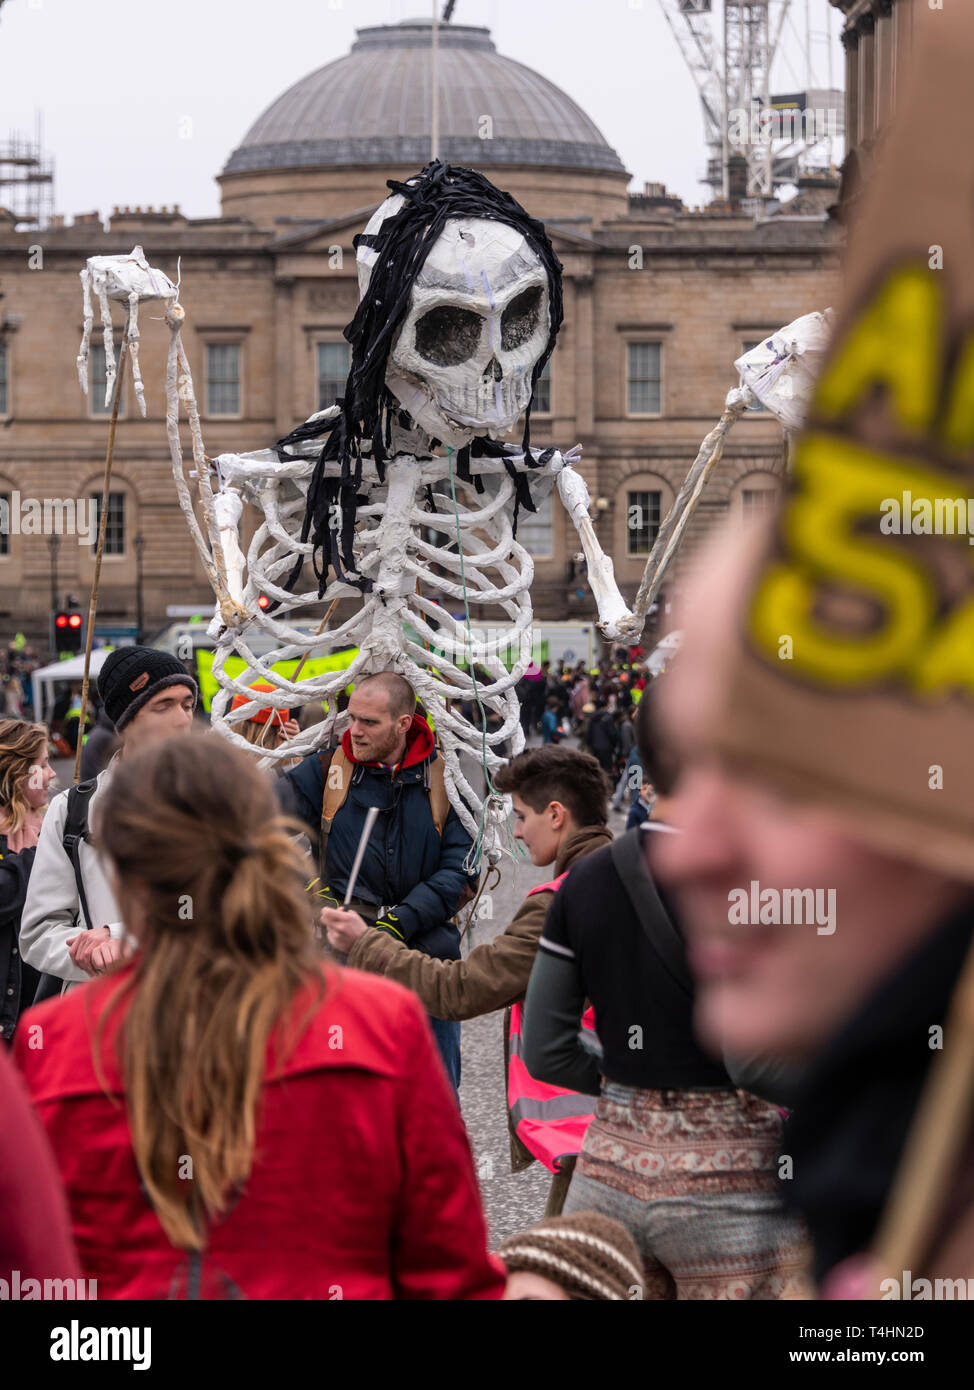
252, 470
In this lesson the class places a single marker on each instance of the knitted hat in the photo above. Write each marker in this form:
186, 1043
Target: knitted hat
261, 716
589, 1255
851, 680
132, 675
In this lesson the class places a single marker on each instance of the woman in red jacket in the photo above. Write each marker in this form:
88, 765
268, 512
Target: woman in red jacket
231, 1119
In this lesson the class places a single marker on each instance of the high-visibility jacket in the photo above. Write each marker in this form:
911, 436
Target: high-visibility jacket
550, 1121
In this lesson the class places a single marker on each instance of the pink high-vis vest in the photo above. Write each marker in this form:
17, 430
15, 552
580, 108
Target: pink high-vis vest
549, 1121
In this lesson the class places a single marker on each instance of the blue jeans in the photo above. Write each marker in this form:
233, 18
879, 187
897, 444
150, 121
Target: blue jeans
447, 1035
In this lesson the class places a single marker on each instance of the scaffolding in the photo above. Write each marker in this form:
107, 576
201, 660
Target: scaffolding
758, 141
26, 181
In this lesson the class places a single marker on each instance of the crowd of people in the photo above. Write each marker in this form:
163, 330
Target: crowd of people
597, 705
213, 994
19, 663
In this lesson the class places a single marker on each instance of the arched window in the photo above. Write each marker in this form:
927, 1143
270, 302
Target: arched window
641, 505
118, 557
10, 533
535, 530
754, 495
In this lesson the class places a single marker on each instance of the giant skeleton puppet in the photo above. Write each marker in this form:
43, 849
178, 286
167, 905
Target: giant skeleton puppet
402, 493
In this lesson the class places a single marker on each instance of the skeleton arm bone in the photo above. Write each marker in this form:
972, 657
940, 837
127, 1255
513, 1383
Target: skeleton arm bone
615, 619
228, 510
559, 459
106, 325
86, 333
132, 335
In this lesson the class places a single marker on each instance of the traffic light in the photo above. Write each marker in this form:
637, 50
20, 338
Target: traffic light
68, 636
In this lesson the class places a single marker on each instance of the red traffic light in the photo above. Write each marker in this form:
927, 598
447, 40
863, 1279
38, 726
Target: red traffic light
61, 620
74, 620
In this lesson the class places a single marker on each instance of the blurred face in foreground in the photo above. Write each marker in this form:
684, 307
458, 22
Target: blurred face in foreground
778, 971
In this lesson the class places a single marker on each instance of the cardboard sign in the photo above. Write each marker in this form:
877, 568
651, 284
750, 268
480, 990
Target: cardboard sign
854, 682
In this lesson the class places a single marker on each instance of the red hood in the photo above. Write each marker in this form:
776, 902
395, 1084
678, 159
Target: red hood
419, 744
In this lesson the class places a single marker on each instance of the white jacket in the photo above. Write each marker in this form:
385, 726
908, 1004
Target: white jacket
52, 912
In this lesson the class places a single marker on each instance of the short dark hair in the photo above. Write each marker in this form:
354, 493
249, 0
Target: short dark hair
399, 693
553, 773
658, 764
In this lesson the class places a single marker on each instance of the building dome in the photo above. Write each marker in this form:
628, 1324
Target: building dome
373, 107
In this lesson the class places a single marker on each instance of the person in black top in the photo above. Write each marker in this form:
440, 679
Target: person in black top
675, 1152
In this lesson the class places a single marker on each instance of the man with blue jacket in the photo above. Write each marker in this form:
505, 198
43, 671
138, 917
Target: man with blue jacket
412, 876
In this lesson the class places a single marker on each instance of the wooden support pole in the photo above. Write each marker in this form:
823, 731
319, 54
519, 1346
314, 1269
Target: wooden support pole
102, 525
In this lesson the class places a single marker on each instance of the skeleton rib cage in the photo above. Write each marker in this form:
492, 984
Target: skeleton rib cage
415, 582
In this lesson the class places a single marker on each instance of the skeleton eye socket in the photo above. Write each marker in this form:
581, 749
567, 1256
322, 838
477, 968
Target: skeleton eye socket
520, 318
447, 335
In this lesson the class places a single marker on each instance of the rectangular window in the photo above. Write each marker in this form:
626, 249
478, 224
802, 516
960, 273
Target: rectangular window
642, 521
4, 367
96, 385
333, 364
535, 530
223, 378
643, 379
4, 523
756, 501
541, 401
115, 526
750, 344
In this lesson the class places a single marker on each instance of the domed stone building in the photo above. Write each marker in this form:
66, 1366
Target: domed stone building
659, 300
315, 151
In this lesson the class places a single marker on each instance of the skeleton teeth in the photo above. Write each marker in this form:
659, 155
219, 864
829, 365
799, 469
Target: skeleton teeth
488, 400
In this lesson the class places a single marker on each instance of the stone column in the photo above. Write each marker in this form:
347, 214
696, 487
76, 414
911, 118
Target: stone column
850, 42
284, 411
867, 77
903, 17
885, 51
584, 355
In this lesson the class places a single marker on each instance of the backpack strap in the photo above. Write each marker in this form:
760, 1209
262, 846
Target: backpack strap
627, 856
336, 779
75, 830
439, 801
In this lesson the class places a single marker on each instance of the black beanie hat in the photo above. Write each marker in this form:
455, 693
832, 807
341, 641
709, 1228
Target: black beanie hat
132, 675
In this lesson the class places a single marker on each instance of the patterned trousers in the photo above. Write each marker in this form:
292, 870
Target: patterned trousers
693, 1176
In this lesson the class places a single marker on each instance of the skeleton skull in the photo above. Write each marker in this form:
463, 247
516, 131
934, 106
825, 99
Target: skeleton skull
477, 324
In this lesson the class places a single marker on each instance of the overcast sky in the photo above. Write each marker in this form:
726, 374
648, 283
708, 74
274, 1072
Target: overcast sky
115, 81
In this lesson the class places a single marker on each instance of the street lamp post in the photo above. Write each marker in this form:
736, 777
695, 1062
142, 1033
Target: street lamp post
139, 618
53, 542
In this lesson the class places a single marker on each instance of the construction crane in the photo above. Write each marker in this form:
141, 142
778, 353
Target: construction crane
757, 140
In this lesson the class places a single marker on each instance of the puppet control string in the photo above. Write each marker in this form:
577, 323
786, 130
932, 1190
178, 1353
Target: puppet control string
472, 863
